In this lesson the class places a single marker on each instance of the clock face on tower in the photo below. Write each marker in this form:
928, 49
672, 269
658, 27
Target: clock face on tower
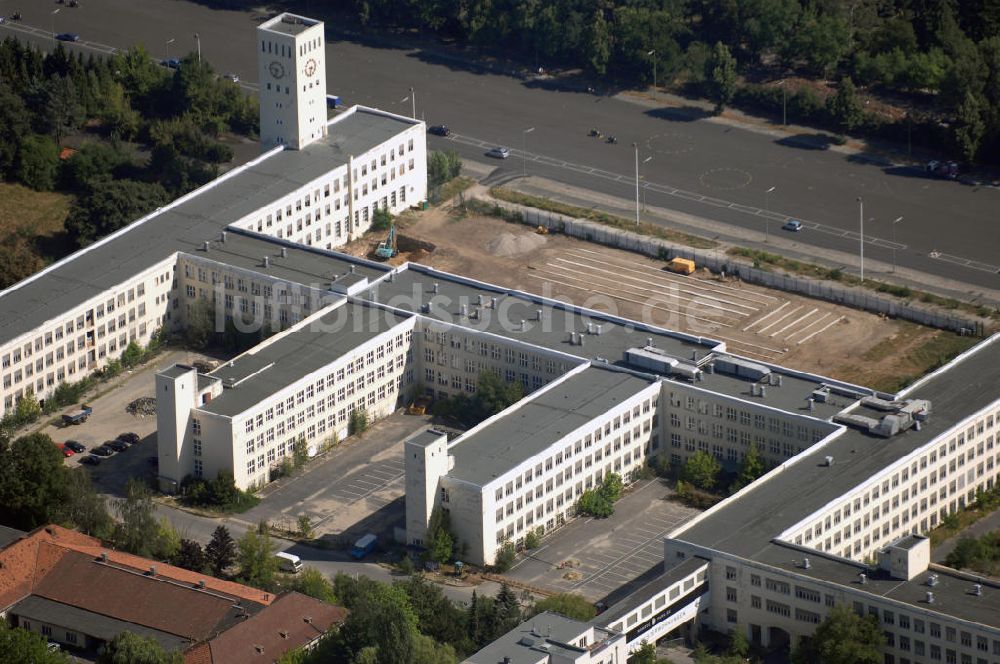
310, 67
277, 69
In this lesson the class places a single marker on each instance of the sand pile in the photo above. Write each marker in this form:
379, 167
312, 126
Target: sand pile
508, 244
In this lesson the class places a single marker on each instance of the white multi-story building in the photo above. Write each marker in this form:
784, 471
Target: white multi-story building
551, 638
70, 319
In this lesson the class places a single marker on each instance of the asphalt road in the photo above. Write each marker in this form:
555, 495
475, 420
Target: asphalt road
698, 166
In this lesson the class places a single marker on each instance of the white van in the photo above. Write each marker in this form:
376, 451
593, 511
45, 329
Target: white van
288, 562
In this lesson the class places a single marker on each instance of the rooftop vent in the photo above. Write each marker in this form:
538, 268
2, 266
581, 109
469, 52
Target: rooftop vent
307, 619
267, 261
932, 580
930, 597
828, 460
977, 590
493, 302
284, 252
600, 328
205, 245
152, 570
522, 328
222, 237
479, 298
259, 649
434, 288
283, 633
104, 556
863, 578
464, 310
201, 584
806, 564
538, 314
649, 341
352, 268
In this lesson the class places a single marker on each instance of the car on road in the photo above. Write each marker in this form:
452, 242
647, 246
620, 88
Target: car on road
172, 63
116, 445
498, 153
439, 130
91, 460
235, 78
66, 452
102, 451
75, 446
943, 169
793, 225
129, 437
68, 37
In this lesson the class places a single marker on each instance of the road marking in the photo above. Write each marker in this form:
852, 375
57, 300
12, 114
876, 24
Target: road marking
765, 317
775, 322
795, 322
964, 262
822, 329
815, 322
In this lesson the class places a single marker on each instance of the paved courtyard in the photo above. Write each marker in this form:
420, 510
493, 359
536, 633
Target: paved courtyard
600, 557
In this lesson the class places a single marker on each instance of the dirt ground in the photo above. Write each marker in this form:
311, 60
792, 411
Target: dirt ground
794, 331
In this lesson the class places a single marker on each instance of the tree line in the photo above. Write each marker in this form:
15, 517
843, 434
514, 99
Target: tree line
146, 134
943, 54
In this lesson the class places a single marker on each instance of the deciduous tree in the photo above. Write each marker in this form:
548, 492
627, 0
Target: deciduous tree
843, 637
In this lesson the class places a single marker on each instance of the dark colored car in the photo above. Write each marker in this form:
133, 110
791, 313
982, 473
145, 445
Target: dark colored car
102, 451
75, 446
91, 460
130, 438
440, 130
173, 63
116, 445
68, 37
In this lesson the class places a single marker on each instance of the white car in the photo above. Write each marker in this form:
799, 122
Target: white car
498, 153
235, 78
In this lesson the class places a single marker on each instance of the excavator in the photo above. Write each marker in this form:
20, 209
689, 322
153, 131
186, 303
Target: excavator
388, 249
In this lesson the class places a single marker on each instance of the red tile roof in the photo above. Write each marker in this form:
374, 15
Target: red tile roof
291, 621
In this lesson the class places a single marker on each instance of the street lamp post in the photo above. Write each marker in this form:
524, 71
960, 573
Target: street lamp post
645, 184
861, 223
767, 213
784, 105
653, 55
197, 38
169, 42
897, 220
524, 151
413, 101
54, 27
636, 147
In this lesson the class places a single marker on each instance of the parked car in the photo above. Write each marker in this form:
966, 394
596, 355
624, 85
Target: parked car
91, 460
66, 452
439, 130
102, 451
793, 225
116, 445
129, 437
75, 446
498, 153
172, 63
943, 169
68, 37
235, 78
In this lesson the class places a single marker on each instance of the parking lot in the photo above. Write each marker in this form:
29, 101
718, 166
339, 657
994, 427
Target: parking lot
598, 557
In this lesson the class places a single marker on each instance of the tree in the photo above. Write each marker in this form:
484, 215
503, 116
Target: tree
508, 611
129, 648
256, 558
567, 604
506, 554
93, 161
381, 219
646, 654
843, 637
701, 469
27, 409
844, 107
33, 483
440, 541
191, 556
599, 43
533, 538
19, 645
442, 167
132, 355
38, 162
721, 76
381, 619
305, 526
111, 204
18, 258
310, 581
137, 531
199, 326
84, 507
739, 646
220, 552
751, 468
969, 127
14, 126
437, 616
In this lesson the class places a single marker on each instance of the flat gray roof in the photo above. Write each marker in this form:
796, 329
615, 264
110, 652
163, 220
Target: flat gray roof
92, 624
274, 365
529, 429
414, 287
651, 590
531, 641
953, 594
425, 437
185, 226
289, 24
745, 526
8, 535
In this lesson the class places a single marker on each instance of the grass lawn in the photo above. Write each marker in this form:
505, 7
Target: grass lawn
41, 211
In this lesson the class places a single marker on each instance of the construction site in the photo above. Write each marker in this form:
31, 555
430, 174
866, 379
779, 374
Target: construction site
760, 323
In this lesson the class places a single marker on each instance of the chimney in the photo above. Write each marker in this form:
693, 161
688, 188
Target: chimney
930, 597
806, 564
152, 570
284, 252
201, 584
267, 261
205, 245
223, 237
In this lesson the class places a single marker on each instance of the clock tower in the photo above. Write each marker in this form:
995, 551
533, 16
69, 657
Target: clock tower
292, 75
